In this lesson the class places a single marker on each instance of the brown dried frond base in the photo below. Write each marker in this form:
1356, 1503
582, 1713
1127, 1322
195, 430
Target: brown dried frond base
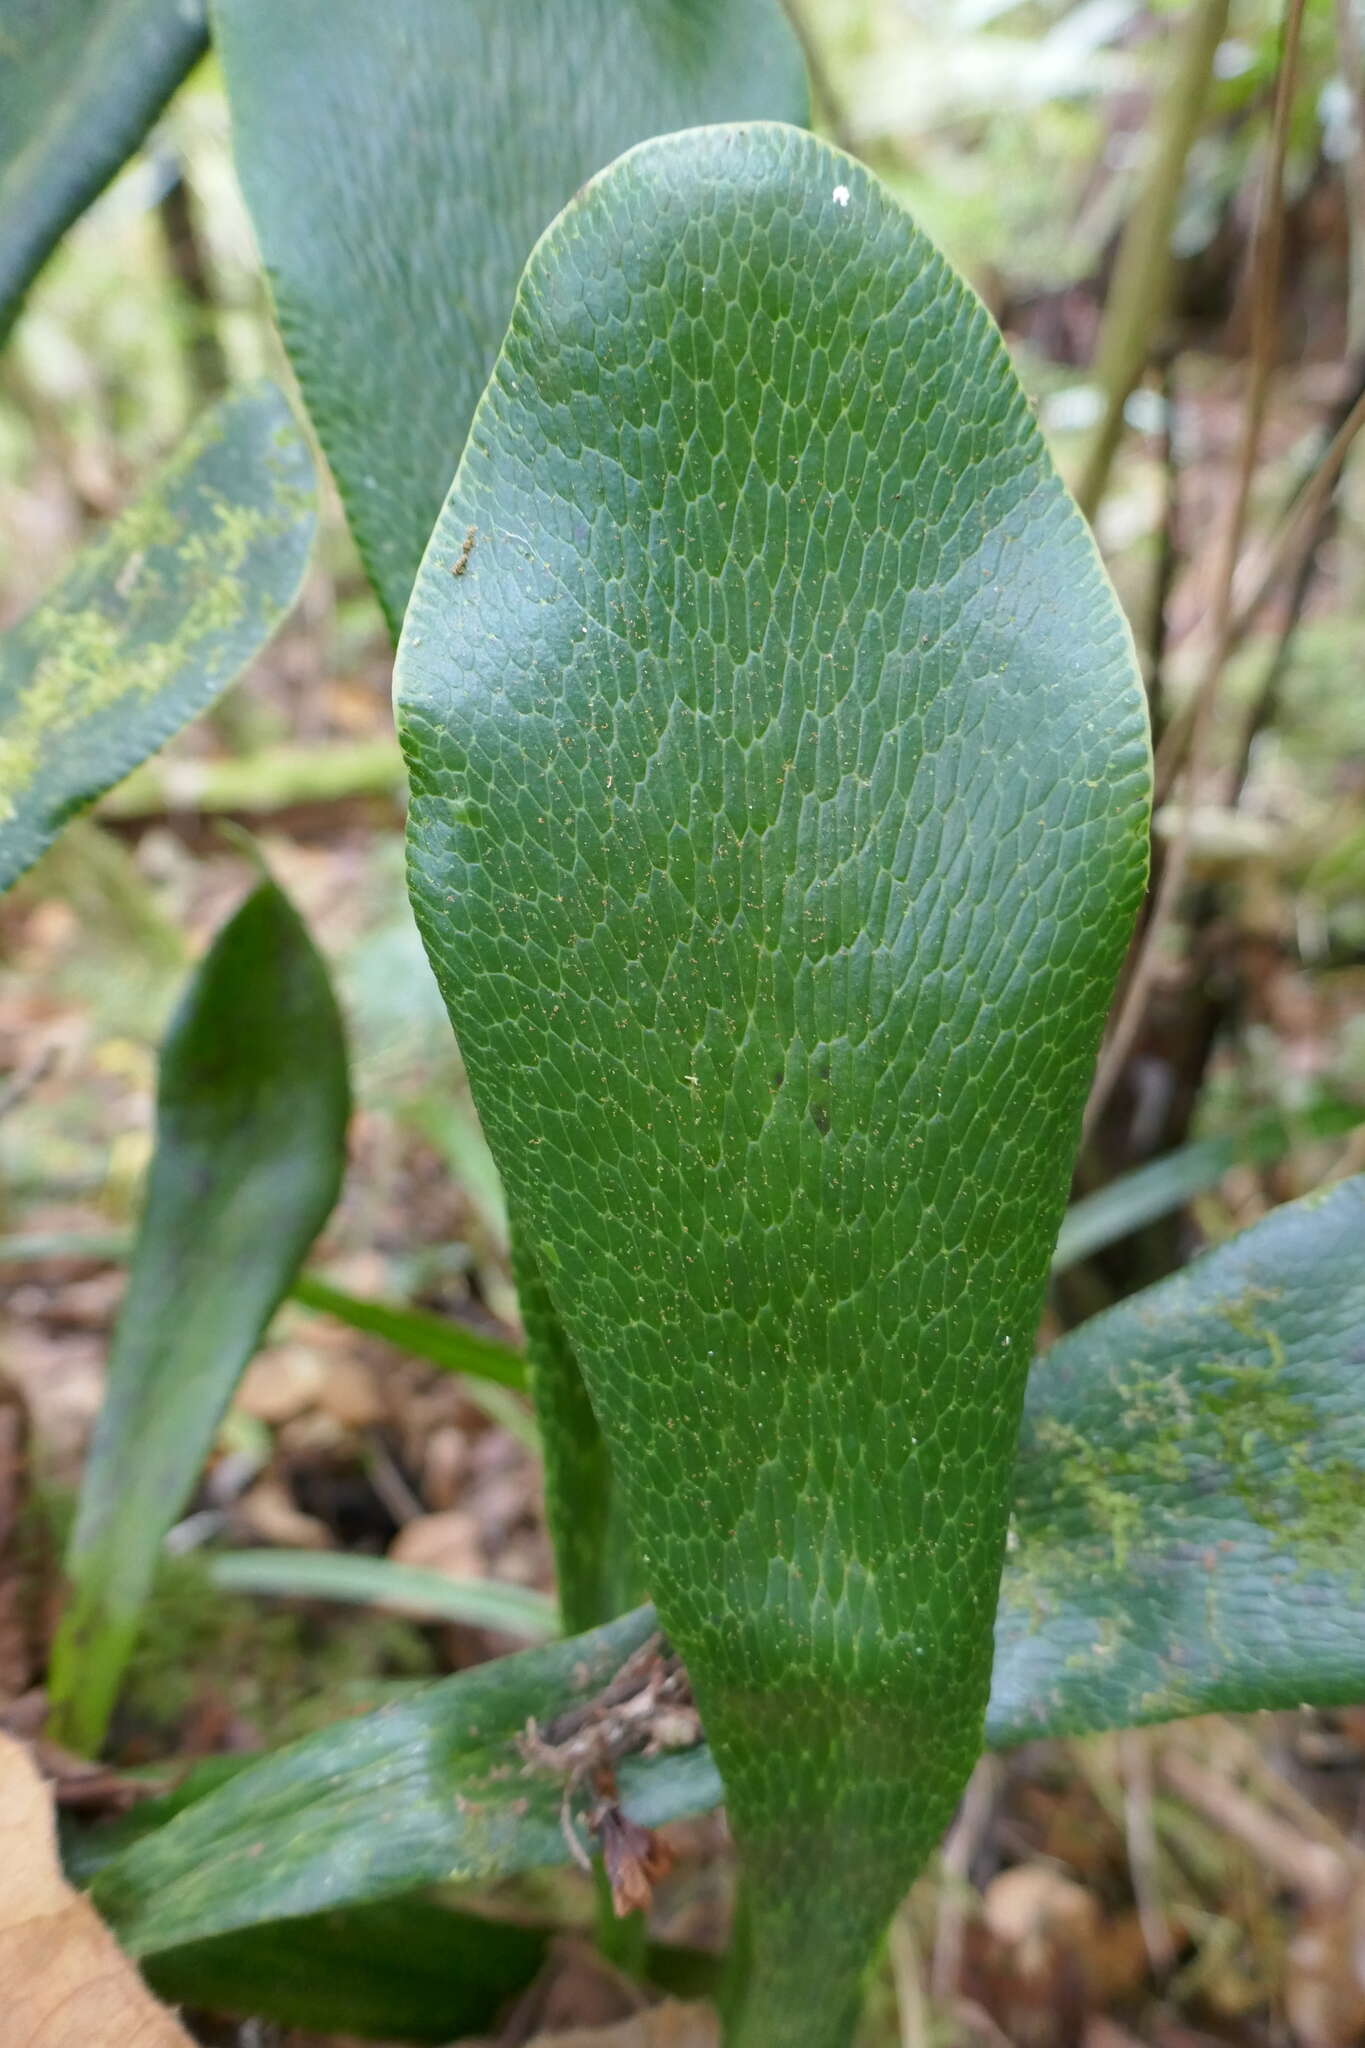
644, 1710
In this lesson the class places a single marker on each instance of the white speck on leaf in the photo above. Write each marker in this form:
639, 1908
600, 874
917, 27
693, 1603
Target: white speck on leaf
841, 195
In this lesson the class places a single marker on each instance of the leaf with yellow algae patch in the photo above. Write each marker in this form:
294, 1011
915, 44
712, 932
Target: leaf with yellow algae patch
154, 620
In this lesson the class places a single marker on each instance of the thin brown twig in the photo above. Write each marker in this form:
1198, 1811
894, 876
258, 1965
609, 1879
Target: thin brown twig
1260, 575
964, 1839
1139, 1827
1239, 1753
1168, 546
1267, 698
1310, 1868
24, 1079
827, 100
1265, 274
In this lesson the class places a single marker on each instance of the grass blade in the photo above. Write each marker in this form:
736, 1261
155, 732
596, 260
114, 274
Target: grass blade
380, 1582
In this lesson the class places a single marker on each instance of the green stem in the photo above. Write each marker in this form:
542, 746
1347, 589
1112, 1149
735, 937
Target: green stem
592, 1557
798, 1971
1139, 293
272, 779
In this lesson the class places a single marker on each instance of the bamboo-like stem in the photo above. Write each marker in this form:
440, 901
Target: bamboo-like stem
271, 779
1139, 294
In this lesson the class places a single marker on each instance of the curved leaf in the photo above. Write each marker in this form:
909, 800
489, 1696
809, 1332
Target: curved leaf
413, 1971
432, 1789
81, 82
779, 792
383, 1582
154, 619
1199, 1554
1190, 1492
252, 1104
1164, 1184
400, 161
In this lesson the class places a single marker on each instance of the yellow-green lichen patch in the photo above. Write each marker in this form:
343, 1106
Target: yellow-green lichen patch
1188, 1532
1109, 1489
1274, 1446
154, 619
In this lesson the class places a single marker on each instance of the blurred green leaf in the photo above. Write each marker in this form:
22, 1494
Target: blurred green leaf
410, 1971
495, 1372
1164, 1184
252, 1106
154, 620
381, 1582
438, 1339
400, 161
86, 1849
1188, 1527
81, 81
596, 1575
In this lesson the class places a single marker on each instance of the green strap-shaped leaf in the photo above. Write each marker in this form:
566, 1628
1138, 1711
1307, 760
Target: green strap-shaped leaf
400, 161
382, 1582
1188, 1530
154, 620
402, 1972
779, 791
1190, 1492
451, 1345
431, 1789
252, 1104
440, 1340
1164, 1184
81, 81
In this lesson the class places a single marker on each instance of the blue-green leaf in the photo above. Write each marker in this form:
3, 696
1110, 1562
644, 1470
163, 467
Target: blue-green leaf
81, 81
154, 619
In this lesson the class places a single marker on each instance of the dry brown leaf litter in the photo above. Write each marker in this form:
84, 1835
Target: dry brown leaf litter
64, 1982
670, 2025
